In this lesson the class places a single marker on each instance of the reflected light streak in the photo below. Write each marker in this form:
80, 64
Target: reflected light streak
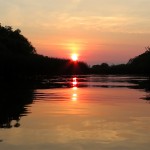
74, 95
74, 82
74, 99
74, 88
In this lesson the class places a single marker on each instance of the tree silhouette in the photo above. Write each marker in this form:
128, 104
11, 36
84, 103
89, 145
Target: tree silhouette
13, 42
140, 64
18, 58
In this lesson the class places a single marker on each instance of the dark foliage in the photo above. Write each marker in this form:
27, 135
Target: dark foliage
140, 64
104, 68
12, 105
98, 69
18, 58
13, 42
137, 65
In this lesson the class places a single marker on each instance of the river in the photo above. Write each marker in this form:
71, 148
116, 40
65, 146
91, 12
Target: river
88, 112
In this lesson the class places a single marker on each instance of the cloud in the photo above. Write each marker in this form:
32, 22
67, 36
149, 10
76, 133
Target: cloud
78, 15
76, 1
123, 24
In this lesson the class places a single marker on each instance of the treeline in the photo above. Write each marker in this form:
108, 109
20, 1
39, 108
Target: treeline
38, 65
141, 63
138, 65
18, 58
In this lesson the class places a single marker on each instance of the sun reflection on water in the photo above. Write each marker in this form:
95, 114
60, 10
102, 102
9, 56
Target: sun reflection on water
74, 88
74, 84
74, 97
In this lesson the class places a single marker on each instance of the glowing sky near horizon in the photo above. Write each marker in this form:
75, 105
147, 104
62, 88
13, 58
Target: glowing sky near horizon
111, 31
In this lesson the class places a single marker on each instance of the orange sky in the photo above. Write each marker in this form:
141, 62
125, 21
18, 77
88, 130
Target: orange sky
111, 31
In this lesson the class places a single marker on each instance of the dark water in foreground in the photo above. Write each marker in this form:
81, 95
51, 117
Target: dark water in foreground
82, 113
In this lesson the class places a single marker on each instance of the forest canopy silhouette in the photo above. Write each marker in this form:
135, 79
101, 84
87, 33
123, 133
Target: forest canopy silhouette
137, 65
19, 59
14, 43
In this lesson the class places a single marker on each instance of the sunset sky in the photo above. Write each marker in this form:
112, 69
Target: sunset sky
111, 31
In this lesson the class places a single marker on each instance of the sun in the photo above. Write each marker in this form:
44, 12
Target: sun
74, 57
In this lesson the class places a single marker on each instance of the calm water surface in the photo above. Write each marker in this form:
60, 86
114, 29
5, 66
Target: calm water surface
77, 113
